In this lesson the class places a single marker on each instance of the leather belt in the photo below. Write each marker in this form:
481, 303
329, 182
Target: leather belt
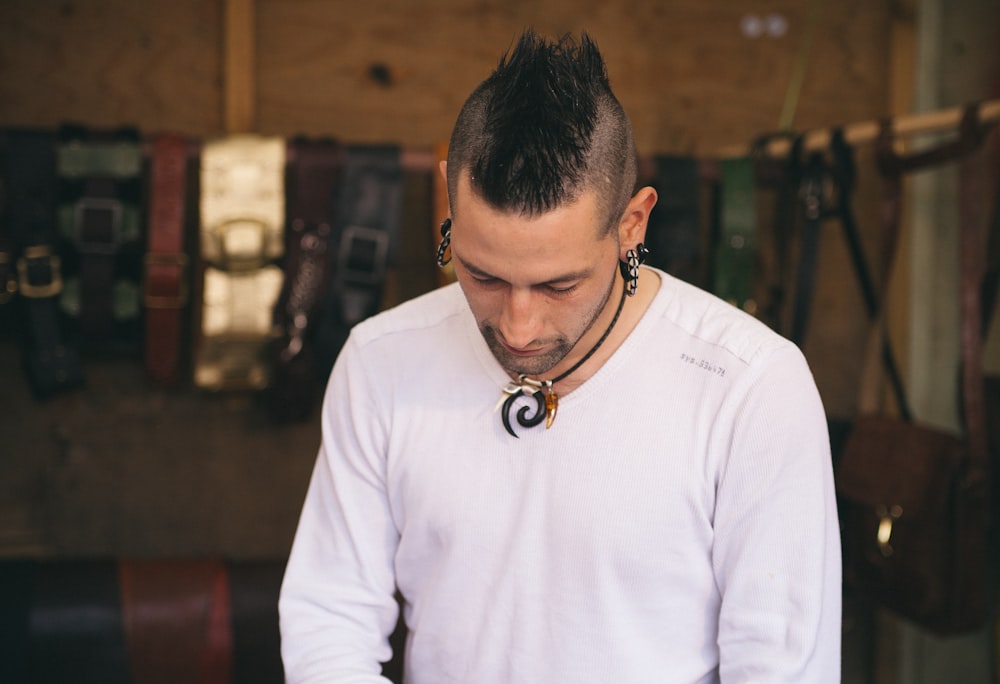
253, 592
313, 171
241, 236
75, 624
166, 282
99, 180
176, 620
674, 235
365, 234
51, 362
814, 186
733, 267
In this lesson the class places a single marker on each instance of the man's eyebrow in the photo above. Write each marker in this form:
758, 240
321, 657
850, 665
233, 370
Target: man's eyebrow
480, 273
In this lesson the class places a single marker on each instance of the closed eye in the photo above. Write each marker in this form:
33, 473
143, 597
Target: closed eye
561, 288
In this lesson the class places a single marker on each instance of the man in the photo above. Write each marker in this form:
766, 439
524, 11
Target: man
571, 467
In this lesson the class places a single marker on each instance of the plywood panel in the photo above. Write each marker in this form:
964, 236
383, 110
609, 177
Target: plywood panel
155, 65
398, 70
389, 69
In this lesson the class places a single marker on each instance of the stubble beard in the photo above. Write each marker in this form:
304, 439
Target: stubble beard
560, 347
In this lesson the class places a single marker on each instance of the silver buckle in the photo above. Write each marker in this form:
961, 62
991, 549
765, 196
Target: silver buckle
96, 204
352, 236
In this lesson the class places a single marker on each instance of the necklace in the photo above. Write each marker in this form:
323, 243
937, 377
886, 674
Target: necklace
542, 391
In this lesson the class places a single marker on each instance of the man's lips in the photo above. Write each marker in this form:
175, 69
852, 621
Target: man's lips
528, 351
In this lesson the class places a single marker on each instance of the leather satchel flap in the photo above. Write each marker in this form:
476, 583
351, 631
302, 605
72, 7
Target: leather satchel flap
895, 465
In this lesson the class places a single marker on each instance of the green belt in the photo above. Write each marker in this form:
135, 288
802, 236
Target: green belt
733, 266
98, 215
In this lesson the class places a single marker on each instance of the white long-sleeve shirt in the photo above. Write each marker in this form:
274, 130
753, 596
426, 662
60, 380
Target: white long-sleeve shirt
677, 523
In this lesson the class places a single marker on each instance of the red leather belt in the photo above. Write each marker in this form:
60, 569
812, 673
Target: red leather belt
166, 282
176, 620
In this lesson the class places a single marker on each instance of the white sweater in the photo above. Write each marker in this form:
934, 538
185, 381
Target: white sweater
677, 523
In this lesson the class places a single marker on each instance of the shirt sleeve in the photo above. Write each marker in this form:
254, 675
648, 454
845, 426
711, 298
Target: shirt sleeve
777, 539
337, 605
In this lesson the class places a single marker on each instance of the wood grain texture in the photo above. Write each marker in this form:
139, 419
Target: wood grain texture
110, 63
394, 70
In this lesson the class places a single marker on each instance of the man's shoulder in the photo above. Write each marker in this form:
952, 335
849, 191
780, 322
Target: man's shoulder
424, 312
709, 319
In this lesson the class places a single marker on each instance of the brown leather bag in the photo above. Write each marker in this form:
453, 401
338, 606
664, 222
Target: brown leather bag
914, 508
914, 518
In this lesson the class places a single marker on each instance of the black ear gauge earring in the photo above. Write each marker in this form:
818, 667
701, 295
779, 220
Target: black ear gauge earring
445, 241
630, 267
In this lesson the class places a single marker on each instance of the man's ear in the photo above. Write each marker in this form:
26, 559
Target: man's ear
635, 219
443, 168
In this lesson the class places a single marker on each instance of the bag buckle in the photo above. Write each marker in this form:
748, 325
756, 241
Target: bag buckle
362, 255
886, 515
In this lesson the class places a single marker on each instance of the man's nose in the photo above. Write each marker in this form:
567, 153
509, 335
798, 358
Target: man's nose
520, 320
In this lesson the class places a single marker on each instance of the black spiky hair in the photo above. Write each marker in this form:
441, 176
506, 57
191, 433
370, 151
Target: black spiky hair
544, 126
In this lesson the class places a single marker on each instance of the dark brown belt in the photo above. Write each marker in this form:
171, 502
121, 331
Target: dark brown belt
312, 173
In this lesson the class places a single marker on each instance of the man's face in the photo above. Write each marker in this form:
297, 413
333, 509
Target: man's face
535, 285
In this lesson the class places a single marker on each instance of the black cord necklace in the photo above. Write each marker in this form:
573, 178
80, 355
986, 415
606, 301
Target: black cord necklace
542, 391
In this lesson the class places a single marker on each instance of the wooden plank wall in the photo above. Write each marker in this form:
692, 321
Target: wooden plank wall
397, 71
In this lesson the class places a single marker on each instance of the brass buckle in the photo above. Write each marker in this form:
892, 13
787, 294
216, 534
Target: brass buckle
96, 205
237, 261
180, 260
49, 289
886, 515
354, 235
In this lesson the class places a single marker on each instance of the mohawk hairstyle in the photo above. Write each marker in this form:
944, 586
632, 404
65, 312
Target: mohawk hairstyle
544, 127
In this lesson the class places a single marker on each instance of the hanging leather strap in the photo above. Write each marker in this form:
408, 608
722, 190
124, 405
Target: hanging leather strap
313, 170
166, 277
972, 244
242, 215
365, 235
781, 179
892, 167
733, 267
51, 359
99, 217
812, 197
674, 233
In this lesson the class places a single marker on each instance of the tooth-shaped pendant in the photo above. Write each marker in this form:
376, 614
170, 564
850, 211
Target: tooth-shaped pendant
551, 406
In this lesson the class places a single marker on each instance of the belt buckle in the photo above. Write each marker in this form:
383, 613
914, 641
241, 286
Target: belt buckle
8, 277
164, 301
39, 291
236, 260
352, 236
96, 205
